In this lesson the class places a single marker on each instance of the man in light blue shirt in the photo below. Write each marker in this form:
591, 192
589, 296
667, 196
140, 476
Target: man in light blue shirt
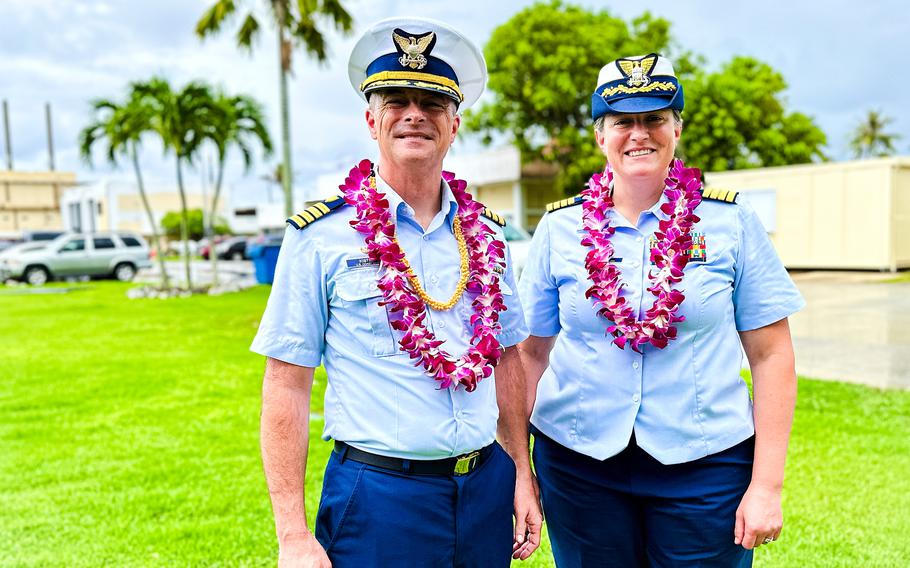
416, 476
648, 450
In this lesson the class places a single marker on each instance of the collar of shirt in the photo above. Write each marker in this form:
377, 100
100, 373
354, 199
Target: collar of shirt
618, 221
399, 207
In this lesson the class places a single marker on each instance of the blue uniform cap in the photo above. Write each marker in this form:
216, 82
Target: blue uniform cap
636, 84
418, 53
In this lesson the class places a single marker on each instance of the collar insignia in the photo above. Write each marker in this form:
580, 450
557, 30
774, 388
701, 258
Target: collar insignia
637, 71
413, 49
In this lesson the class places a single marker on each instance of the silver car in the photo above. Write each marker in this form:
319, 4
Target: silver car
117, 255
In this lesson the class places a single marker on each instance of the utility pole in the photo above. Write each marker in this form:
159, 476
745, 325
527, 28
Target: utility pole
50, 137
9, 144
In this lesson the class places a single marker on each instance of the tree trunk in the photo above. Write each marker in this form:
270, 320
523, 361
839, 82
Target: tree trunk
156, 238
184, 225
213, 257
284, 64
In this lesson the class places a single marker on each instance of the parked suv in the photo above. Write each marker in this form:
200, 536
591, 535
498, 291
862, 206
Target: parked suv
117, 255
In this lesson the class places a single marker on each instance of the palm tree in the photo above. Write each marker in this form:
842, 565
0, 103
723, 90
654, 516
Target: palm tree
870, 139
237, 121
296, 23
181, 119
122, 126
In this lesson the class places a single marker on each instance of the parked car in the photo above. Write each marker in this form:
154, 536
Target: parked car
117, 255
7, 243
233, 248
28, 236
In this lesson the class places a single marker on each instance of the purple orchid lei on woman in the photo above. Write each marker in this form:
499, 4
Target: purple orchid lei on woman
486, 257
669, 256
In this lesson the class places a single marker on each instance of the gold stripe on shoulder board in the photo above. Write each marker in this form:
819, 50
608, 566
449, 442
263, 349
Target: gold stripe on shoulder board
493, 216
567, 202
719, 194
314, 212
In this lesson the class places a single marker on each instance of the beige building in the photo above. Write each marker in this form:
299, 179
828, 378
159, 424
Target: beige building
847, 215
116, 206
30, 201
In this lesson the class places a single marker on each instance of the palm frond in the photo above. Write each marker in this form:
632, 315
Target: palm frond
215, 17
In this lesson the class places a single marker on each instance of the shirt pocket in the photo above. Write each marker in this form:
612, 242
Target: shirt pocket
466, 307
358, 290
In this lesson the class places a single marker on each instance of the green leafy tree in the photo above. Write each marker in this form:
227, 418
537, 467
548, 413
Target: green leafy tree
543, 66
173, 223
870, 139
120, 127
735, 118
297, 23
181, 119
237, 122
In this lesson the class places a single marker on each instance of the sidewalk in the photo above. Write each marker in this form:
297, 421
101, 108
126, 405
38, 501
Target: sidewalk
855, 328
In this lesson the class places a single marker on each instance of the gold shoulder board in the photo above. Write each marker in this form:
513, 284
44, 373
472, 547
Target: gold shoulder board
563, 203
314, 212
717, 194
493, 216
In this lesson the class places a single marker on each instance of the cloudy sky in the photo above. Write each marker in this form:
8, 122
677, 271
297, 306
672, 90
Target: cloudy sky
840, 59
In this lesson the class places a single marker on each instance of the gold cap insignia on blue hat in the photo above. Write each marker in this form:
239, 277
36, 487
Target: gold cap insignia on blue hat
638, 71
636, 84
417, 53
413, 49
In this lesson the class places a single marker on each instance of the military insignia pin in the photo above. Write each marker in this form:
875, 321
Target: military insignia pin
413, 49
699, 250
637, 71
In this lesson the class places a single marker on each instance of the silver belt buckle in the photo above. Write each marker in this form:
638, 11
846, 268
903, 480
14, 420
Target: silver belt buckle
466, 463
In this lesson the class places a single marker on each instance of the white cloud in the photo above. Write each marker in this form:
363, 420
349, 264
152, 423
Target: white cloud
839, 61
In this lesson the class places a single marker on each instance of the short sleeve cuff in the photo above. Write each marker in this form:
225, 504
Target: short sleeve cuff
772, 314
287, 350
544, 328
513, 336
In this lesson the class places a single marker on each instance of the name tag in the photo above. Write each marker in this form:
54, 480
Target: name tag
361, 263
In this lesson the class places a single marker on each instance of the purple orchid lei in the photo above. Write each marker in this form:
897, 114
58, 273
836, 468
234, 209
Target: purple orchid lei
669, 255
486, 255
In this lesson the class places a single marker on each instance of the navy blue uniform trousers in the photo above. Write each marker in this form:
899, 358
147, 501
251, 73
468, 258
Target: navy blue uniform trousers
370, 516
630, 510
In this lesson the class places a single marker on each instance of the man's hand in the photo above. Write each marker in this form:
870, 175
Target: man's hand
303, 553
759, 516
528, 516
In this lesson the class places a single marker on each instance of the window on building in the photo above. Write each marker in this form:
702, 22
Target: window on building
103, 243
76, 217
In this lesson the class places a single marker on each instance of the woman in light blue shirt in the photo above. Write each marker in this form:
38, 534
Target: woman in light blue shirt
640, 296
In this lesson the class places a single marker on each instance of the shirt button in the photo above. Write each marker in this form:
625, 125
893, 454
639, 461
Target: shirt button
426, 237
634, 398
441, 324
635, 365
434, 279
635, 264
638, 239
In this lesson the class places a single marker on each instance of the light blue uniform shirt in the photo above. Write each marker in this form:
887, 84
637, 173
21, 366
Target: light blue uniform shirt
324, 308
685, 401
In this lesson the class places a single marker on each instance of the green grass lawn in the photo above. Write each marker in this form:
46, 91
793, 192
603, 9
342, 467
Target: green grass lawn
128, 437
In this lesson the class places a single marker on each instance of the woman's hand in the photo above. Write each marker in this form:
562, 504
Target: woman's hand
759, 517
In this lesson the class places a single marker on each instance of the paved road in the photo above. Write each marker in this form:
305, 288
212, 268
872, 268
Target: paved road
854, 328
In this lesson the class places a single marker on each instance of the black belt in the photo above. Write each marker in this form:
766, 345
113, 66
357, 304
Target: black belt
459, 465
